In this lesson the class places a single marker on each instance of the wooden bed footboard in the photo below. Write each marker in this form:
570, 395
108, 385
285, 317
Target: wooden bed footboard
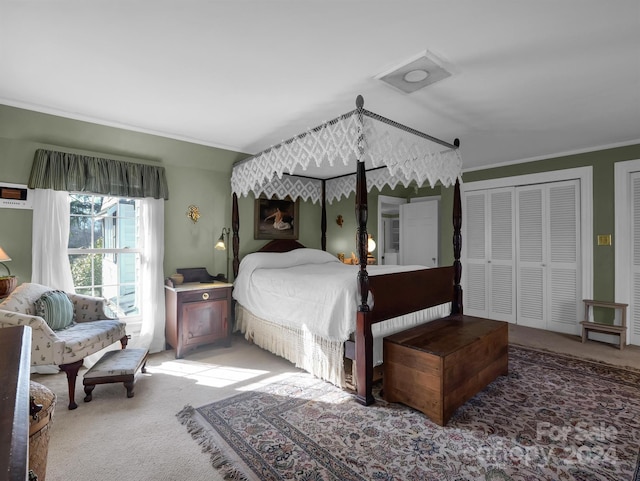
395, 295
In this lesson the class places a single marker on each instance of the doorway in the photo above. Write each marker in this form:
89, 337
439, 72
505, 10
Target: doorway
388, 241
408, 232
627, 242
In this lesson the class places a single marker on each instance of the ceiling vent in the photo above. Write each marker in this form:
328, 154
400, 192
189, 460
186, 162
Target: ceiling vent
416, 74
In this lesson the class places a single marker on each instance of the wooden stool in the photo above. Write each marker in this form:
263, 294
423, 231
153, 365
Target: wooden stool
115, 366
620, 316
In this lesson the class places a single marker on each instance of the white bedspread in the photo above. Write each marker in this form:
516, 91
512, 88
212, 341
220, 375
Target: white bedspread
307, 289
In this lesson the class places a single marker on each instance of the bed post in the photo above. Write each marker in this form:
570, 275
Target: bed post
456, 305
363, 336
235, 227
323, 220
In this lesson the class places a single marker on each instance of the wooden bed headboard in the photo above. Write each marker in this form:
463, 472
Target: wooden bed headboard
281, 245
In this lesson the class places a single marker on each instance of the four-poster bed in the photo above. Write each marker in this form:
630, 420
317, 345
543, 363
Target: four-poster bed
385, 153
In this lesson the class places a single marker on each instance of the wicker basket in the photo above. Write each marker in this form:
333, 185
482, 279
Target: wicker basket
39, 429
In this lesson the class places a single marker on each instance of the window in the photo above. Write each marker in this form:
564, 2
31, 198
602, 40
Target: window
104, 251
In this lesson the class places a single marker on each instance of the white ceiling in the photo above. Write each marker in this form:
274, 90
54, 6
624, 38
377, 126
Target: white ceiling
530, 78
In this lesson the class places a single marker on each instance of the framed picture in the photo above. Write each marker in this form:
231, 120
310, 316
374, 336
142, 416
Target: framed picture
276, 219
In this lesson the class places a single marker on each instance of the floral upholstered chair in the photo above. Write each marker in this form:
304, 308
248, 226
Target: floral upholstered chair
65, 327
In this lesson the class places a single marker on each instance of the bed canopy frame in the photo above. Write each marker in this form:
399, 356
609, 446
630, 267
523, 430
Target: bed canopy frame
385, 153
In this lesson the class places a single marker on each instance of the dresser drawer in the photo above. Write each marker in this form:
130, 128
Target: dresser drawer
203, 295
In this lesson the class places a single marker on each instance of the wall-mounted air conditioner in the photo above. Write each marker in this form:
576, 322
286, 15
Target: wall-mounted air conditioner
15, 196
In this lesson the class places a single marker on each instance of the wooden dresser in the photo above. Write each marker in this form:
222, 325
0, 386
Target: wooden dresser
198, 314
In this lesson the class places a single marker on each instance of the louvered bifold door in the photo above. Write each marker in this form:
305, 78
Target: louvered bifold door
563, 294
634, 305
474, 254
530, 235
502, 281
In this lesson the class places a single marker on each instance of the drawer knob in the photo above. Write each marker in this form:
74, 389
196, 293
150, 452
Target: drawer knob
205, 295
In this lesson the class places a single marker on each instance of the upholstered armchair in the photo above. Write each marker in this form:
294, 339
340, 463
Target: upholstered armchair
65, 327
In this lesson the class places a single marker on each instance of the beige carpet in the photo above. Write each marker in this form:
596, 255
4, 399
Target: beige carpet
572, 345
139, 439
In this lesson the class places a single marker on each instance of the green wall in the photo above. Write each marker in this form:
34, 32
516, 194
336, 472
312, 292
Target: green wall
200, 175
196, 174
343, 239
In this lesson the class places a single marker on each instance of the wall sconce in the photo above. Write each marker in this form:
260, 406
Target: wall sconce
222, 245
193, 213
7, 283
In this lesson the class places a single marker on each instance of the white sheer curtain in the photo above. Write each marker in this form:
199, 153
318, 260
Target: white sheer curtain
51, 214
50, 261
152, 244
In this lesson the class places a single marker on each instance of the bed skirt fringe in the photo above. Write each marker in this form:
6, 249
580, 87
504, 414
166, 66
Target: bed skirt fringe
320, 357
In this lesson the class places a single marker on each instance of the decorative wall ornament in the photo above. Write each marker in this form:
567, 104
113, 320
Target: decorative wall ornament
193, 213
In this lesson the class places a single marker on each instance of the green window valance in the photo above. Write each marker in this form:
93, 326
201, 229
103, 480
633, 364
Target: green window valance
81, 173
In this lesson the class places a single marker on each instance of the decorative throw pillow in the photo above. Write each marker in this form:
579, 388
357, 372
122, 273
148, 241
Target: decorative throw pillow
56, 309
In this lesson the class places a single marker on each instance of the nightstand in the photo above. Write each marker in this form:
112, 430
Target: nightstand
198, 314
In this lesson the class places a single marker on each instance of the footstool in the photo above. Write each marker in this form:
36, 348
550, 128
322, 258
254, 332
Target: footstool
115, 366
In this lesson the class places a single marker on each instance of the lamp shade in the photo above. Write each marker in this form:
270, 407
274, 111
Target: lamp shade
371, 244
7, 283
220, 245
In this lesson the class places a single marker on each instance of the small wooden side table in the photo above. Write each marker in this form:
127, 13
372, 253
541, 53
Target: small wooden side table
620, 317
198, 314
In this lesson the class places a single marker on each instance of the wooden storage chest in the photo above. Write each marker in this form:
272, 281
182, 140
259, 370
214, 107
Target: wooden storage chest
436, 367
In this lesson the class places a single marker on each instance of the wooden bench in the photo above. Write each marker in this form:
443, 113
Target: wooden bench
618, 327
437, 367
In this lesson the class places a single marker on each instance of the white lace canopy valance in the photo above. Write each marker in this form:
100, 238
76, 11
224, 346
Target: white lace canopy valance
393, 154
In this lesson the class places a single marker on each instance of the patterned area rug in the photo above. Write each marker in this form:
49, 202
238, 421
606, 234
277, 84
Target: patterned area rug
552, 418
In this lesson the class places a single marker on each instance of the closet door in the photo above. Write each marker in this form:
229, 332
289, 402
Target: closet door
548, 250
474, 252
530, 256
489, 251
634, 305
501, 280
563, 254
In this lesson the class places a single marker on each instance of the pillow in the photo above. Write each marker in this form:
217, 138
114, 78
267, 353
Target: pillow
56, 309
22, 299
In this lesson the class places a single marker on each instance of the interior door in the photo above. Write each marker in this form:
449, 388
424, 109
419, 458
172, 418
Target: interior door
501, 272
531, 279
548, 253
474, 250
489, 251
563, 255
634, 305
419, 233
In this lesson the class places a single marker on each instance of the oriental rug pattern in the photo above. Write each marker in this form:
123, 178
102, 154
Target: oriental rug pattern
553, 417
